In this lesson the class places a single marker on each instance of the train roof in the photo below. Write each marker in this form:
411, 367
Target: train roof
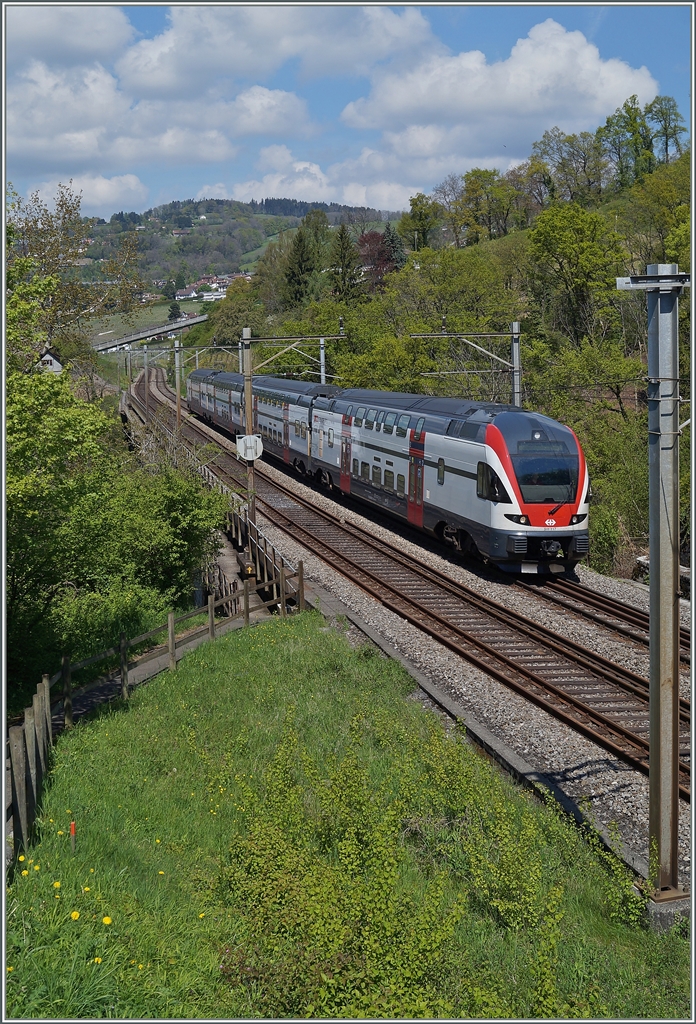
429, 404
285, 385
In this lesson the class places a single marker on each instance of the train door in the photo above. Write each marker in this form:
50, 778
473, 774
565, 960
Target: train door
346, 451
286, 432
255, 409
416, 470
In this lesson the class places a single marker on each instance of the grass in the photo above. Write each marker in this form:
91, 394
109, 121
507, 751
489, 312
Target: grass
119, 326
275, 831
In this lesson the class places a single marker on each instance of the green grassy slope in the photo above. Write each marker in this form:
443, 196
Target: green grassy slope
276, 831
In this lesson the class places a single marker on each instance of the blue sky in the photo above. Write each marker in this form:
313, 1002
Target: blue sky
365, 105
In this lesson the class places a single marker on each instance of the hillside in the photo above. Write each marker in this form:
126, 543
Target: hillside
212, 236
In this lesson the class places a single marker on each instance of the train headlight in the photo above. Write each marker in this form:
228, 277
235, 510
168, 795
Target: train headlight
522, 520
578, 519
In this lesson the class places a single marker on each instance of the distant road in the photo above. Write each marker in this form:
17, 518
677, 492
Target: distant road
149, 332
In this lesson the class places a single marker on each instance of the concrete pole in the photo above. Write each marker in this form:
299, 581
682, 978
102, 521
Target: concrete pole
322, 360
196, 358
147, 385
249, 414
663, 462
241, 364
177, 374
516, 365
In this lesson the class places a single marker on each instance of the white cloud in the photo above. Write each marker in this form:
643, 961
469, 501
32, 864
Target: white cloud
551, 77
62, 35
217, 191
124, 191
205, 46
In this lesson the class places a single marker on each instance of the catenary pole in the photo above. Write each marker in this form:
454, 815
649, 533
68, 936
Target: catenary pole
177, 371
249, 415
516, 365
322, 361
663, 284
147, 385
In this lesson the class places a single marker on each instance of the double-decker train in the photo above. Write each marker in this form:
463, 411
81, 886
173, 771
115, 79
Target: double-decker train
494, 480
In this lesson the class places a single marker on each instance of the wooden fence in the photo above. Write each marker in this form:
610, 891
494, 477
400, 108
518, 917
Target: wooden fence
276, 584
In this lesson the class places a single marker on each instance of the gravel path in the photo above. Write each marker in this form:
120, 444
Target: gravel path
586, 772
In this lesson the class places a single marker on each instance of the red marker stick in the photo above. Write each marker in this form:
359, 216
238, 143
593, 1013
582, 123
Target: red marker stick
72, 835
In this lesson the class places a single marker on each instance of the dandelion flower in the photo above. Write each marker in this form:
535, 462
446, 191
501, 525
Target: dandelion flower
37, 867
160, 872
132, 961
25, 872
57, 895
86, 888
21, 856
75, 914
61, 832
10, 969
140, 967
201, 915
157, 840
91, 871
106, 920
97, 959
56, 885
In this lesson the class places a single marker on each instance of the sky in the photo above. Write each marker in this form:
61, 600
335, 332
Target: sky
358, 104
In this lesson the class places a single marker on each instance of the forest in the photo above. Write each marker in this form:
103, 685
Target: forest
541, 244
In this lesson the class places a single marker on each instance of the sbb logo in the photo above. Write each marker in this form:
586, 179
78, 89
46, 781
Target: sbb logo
550, 522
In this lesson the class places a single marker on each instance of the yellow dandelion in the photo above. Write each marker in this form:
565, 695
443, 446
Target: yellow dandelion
56, 885
10, 969
37, 867
86, 888
61, 832
91, 871
157, 840
201, 915
97, 959
106, 920
132, 961
25, 872
21, 856
140, 967
68, 811
75, 914
160, 872
57, 895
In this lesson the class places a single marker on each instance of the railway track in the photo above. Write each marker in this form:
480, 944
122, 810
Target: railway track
597, 698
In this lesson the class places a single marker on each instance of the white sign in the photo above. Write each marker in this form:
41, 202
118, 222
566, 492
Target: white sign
550, 522
249, 447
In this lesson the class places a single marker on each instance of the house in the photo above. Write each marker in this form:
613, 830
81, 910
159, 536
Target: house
213, 296
49, 361
181, 231
186, 293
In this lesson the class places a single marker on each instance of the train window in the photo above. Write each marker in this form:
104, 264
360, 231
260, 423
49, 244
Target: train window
348, 413
441, 471
297, 428
355, 467
389, 421
419, 429
331, 437
376, 476
370, 418
359, 416
389, 479
402, 425
380, 420
365, 470
400, 485
489, 486
303, 429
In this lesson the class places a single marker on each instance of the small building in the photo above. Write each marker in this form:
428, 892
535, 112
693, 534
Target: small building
50, 362
186, 293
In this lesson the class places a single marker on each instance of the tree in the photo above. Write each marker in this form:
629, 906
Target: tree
394, 247
48, 243
664, 114
174, 311
376, 259
577, 163
485, 204
629, 143
417, 226
300, 267
169, 290
448, 195
346, 267
180, 280
270, 278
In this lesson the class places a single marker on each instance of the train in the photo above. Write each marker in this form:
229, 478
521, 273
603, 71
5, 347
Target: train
496, 481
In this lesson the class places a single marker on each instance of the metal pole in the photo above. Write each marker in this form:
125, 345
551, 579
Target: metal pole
663, 448
249, 413
516, 365
147, 386
196, 358
130, 367
241, 364
322, 361
177, 374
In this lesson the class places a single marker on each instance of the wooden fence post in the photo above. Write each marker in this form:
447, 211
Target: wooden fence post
123, 652
33, 765
46, 684
40, 731
171, 642
20, 825
300, 585
246, 602
67, 692
283, 609
211, 616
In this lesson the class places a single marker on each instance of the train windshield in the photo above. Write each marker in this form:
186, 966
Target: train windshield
544, 456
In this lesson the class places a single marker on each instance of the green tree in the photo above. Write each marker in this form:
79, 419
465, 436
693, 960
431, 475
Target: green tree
629, 143
664, 114
169, 290
180, 280
394, 246
485, 205
417, 226
270, 281
46, 244
301, 265
174, 311
345, 271
578, 164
